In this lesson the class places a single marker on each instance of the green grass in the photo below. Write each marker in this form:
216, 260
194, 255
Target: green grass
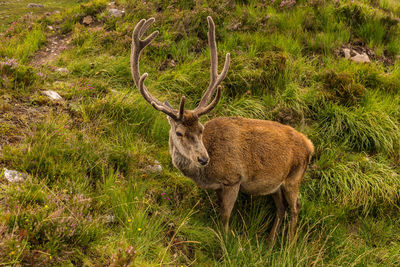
12, 10
89, 200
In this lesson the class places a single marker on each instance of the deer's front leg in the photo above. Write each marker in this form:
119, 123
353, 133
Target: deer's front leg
227, 196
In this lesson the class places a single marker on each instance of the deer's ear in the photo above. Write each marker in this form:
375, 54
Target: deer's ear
171, 121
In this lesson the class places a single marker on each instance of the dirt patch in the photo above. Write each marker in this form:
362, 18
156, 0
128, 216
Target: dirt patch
55, 45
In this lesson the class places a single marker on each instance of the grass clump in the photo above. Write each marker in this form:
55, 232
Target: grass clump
359, 129
257, 76
16, 76
23, 48
357, 181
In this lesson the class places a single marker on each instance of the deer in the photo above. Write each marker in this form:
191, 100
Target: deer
230, 154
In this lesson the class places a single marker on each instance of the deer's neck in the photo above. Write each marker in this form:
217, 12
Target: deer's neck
188, 168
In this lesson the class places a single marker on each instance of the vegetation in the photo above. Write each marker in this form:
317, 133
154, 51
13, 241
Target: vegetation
89, 199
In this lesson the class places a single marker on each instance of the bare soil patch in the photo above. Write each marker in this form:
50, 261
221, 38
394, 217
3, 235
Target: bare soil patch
17, 120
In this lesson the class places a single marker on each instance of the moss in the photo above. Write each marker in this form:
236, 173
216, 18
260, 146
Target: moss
341, 88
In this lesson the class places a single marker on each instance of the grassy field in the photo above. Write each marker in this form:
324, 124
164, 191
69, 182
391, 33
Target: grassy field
90, 201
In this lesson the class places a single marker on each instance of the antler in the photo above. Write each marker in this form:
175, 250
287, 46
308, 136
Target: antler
215, 78
137, 47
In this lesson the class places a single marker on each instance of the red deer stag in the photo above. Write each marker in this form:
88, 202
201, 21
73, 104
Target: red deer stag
258, 157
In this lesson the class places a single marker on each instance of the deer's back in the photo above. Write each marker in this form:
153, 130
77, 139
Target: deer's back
256, 153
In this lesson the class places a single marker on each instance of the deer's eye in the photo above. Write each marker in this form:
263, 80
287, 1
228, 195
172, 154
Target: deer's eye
179, 134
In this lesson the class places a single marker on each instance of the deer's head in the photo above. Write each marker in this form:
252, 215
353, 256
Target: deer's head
186, 130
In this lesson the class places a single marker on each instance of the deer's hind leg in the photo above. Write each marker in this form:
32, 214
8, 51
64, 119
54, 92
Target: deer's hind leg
291, 188
280, 214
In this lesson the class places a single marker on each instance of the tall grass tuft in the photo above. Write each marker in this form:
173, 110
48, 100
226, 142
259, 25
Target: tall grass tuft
360, 129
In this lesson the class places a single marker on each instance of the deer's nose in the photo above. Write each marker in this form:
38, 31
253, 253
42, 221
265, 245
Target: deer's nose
202, 160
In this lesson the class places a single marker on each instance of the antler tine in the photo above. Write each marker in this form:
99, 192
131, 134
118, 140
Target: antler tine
213, 50
215, 78
203, 110
146, 26
154, 102
137, 47
181, 108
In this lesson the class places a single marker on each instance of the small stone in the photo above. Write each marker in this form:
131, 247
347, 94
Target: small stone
87, 20
52, 95
14, 176
116, 12
346, 52
50, 27
235, 26
109, 218
62, 70
30, 5
361, 58
154, 168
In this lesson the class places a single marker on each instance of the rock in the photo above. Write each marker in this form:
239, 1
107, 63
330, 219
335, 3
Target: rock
154, 168
50, 27
52, 95
87, 20
116, 12
62, 70
14, 176
361, 58
346, 52
30, 5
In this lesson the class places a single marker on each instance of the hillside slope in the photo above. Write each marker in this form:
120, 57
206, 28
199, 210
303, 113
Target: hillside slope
90, 198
